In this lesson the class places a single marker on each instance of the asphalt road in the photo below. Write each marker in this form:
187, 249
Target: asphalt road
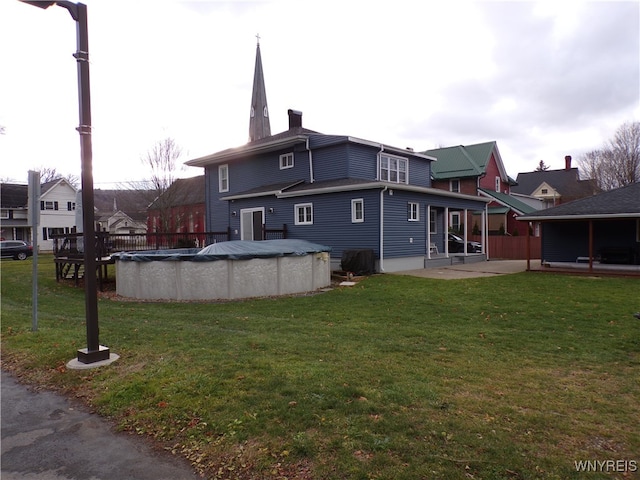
47, 437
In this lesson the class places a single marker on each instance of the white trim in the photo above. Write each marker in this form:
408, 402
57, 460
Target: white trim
285, 157
382, 185
414, 208
251, 211
223, 168
399, 160
236, 153
354, 218
296, 212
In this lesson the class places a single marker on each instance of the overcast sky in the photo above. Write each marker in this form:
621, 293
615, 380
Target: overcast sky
543, 79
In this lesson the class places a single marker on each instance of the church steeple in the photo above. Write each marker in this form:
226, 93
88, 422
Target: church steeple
259, 121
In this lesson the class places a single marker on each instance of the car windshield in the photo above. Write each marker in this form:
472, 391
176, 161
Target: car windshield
455, 237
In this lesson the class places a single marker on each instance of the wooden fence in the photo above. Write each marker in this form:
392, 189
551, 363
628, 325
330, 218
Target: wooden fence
511, 247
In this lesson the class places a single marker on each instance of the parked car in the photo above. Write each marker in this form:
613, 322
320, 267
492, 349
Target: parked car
16, 249
456, 245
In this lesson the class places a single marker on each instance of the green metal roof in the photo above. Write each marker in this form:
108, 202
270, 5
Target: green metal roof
510, 201
461, 160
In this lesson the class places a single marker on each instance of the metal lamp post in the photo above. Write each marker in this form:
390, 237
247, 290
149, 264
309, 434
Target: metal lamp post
94, 351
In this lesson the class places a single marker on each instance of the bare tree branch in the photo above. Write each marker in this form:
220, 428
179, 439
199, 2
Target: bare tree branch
617, 163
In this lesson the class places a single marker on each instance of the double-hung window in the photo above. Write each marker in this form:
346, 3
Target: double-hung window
413, 212
303, 214
454, 185
48, 205
498, 183
394, 169
286, 161
357, 210
223, 178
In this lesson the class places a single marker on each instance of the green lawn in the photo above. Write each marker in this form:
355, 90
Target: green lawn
508, 377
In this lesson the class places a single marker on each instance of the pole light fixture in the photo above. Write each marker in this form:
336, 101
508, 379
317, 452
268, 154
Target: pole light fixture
94, 351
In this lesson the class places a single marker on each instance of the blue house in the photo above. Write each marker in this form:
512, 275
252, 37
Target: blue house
336, 190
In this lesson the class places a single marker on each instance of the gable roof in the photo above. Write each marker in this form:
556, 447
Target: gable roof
509, 201
566, 182
464, 160
288, 138
622, 202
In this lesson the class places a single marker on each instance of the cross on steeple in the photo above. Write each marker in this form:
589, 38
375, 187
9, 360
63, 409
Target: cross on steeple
258, 37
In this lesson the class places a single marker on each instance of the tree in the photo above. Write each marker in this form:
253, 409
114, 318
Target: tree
50, 174
162, 161
542, 167
617, 163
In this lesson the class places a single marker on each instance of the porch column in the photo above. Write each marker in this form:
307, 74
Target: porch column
446, 231
429, 231
590, 246
483, 231
528, 246
466, 226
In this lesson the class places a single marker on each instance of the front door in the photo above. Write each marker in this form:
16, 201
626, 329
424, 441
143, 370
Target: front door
251, 227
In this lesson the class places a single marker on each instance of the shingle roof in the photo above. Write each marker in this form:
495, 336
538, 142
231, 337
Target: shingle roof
511, 202
461, 160
566, 182
621, 202
13, 195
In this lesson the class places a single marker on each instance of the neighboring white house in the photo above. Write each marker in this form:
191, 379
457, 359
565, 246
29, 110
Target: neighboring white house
57, 211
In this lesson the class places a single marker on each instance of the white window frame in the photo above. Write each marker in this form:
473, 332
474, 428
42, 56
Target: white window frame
4, 214
307, 212
456, 182
433, 221
357, 214
413, 212
498, 183
286, 160
454, 227
393, 169
223, 178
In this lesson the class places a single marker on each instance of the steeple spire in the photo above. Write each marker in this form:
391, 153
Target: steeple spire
259, 121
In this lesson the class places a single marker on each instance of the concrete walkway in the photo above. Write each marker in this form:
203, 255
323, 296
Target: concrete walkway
474, 270
47, 437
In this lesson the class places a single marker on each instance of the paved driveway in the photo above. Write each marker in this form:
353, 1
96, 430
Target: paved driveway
47, 437
473, 270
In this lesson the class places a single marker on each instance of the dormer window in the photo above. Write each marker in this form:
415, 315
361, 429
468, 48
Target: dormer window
544, 191
394, 169
286, 161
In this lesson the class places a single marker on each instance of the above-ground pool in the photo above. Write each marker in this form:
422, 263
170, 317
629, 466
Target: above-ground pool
225, 270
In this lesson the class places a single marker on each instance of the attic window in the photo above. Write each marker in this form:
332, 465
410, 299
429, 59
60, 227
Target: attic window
497, 184
544, 191
454, 185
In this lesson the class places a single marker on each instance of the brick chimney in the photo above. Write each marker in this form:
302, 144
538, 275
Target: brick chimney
295, 118
567, 162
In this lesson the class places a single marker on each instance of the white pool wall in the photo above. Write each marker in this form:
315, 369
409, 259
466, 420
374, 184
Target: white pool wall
222, 279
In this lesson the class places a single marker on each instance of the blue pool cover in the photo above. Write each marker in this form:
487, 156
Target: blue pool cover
233, 250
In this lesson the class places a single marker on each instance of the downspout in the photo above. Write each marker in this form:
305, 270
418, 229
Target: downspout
381, 262
311, 179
